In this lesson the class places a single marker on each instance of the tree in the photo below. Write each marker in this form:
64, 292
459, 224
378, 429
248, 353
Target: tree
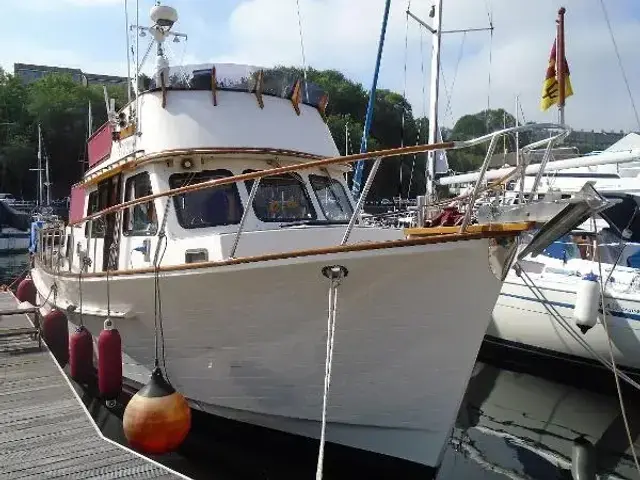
475, 125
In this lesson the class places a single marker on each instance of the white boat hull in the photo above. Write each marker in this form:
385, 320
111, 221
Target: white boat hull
247, 341
13, 241
524, 318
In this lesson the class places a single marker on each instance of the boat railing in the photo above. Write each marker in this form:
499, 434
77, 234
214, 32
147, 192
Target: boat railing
49, 233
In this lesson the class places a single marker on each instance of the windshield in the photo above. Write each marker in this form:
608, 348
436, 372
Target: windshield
278, 82
332, 198
282, 198
210, 207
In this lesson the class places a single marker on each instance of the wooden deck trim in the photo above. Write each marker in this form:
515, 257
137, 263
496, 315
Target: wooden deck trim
358, 247
484, 227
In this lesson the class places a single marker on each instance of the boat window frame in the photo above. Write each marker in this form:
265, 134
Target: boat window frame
331, 181
94, 196
249, 184
127, 212
213, 174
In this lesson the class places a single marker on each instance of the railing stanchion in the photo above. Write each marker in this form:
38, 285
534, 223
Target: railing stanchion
476, 187
252, 195
361, 199
543, 164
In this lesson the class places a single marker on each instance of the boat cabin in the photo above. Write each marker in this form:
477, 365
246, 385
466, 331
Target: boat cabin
208, 123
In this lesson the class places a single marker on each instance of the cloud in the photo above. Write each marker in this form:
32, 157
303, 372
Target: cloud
344, 35
50, 5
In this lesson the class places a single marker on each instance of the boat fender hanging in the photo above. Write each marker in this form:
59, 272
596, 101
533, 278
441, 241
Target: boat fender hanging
55, 331
585, 311
81, 355
109, 362
157, 419
583, 460
26, 291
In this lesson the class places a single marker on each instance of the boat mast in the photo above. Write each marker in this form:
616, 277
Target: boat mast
560, 64
39, 167
517, 132
434, 91
359, 170
47, 183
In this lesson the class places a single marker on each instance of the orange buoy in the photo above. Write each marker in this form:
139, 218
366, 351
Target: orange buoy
26, 291
55, 331
109, 362
157, 418
81, 355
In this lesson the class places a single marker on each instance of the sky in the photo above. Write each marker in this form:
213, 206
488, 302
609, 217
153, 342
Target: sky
478, 69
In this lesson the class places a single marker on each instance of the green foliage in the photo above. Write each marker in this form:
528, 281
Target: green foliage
473, 126
61, 107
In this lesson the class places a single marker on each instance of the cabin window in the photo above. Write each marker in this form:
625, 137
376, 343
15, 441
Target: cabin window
140, 219
210, 207
97, 228
332, 198
281, 198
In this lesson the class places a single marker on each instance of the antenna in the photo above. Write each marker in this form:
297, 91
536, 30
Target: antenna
163, 19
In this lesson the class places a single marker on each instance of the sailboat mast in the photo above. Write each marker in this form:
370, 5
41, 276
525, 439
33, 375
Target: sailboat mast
517, 124
433, 99
359, 169
39, 167
46, 179
560, 64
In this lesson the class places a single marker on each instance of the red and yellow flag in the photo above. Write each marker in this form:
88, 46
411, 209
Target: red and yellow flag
550, 88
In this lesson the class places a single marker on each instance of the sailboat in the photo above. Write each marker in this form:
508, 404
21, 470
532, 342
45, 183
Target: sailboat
212, 225
538, 311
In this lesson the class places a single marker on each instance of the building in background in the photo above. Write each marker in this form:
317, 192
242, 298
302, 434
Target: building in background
30, 73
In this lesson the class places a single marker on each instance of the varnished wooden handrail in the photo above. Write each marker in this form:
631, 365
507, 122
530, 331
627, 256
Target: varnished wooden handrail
357, 247
392, 152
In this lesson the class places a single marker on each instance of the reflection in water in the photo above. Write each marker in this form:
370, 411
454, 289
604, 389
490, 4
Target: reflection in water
510, 425
12, 266
526, 425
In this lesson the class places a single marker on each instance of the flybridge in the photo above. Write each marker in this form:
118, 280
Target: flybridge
99, 144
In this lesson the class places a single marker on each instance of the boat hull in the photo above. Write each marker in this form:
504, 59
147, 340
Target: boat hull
13, 242
525, 319
248, 341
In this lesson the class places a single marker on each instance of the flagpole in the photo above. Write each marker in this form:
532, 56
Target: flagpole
560, 64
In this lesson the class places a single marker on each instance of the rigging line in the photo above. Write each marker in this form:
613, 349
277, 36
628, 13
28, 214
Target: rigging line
423, 139
455, 75
404, 90
490, 62
304, 60
137, 72
612, 357
126, 26
624, 75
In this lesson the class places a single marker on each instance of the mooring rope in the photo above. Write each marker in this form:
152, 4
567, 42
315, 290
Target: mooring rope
335, 274
623, 410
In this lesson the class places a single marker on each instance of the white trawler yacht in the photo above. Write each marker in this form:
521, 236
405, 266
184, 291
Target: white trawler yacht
226, 183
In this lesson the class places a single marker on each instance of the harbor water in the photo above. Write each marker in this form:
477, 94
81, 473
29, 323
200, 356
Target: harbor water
513, 424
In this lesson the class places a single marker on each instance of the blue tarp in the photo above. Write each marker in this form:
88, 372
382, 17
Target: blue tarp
33, 240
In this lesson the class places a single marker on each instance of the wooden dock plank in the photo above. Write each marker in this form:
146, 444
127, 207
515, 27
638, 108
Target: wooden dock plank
44, 430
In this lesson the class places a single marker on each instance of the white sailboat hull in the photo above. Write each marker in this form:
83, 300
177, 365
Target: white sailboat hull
247, 341
524, 318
